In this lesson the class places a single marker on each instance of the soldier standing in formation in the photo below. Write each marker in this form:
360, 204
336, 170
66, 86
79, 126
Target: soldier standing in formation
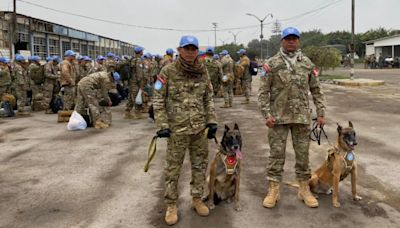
184, 107
68, 79
134, 83
214, 69
100, 64
21, 83
5, 77
283, 100
227, 78
50, 82
168, 57
246, 80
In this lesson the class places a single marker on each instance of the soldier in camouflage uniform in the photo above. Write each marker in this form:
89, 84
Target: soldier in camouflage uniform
50, 82
246, 80
100, 66
283, 100
5, 77
20, 83
68, 79
148, 81
227, 78
93, 94
134, 83
184, 107
168, 57
214, 69
34, 68
110, 64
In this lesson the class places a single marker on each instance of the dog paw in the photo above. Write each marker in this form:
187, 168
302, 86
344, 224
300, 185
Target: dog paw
357, 198
238, 207
211, 206
336, 204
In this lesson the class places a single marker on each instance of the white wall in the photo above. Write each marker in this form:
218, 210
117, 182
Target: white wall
388, 42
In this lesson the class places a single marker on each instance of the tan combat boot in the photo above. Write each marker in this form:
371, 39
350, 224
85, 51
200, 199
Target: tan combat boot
306, 195
273, 195
200, 207
127, 115
171, 216
100, 125
230, 104
226, 105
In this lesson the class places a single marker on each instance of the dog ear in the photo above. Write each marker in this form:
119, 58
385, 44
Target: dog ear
339, 128
236, 127
226, 128
351, 124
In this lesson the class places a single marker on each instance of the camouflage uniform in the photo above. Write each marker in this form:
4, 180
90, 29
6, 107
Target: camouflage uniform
227, 70
110, 65
214, 69
134, 83
5, 79
147, 82
185, 105
92, 89
245, 63
100, 67
50, 82
167, 59
67, 81
20, 80
36, 88
283, 94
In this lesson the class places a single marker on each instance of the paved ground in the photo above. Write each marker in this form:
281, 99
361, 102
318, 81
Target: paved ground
50, 177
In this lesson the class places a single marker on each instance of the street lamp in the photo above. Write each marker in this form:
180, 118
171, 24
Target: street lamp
215, 24
261, 35
234, 35
223, 41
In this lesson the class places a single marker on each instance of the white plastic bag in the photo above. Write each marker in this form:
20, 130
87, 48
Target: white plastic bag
76, 122
138, 99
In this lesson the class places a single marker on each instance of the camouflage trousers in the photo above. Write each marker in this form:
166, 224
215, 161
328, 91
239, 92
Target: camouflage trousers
87, 98
247, 88
216, 86
3, 90
228, 92
277, 137
20, 93
36, 88
48, 92
176, 149
133, 91
69, 97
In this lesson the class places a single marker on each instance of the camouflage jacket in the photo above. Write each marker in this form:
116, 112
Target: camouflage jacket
111, 65
50, 71
214, 69
245, 63
227, 67
167, 59
19, 76
100, 67
283, 94
137, 73
68, 73
183, 104
99, 81
5, 76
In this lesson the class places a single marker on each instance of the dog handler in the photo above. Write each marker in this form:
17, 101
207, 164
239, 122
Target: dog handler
184, 108
283, 100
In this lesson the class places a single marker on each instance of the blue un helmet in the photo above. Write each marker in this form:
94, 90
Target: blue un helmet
210, 50
69, 53
100, 58
138, 49
189, 40
19, 58
49, 58
242, 51
56, 58
116, 76
169, 51
290, 31
110, 54
3, 60
215, 56
224, 52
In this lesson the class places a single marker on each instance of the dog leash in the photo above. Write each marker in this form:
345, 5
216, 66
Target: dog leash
316, 133
153, 148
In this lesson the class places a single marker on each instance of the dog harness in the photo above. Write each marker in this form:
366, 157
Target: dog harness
230, 163
348, 160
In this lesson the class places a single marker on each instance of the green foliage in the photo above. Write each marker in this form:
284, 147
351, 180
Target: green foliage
231, 48
323, 57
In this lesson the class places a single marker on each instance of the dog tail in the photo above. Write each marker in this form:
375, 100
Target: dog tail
294, 184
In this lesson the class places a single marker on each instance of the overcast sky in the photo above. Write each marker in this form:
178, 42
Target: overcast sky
199, 14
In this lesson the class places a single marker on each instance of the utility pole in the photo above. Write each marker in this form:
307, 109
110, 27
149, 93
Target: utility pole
262, 27
13, 27
234, 36
215, 33
352, 46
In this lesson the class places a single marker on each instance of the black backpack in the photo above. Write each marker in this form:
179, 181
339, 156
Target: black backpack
56, 104
253, 65
8, 109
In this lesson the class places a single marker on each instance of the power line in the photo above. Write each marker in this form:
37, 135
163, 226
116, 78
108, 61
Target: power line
311, 11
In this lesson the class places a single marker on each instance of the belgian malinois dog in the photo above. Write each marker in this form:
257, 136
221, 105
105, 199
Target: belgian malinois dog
339, 164
224, 178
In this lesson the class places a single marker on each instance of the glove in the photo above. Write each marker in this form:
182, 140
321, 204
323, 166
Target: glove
164, 133
103, 103
212, 130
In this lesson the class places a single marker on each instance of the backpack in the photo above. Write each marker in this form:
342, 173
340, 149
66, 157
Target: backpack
56, 104
37, 75
7, 109
252, 67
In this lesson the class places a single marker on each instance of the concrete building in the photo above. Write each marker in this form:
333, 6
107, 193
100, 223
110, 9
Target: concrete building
38, 37
389, 47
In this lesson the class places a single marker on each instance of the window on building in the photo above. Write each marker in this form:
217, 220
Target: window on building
91, 51
66, 45
75, 47
39, 46
84, 49
54, 47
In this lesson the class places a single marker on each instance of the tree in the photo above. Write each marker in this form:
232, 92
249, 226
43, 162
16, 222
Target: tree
231, 48
323, 57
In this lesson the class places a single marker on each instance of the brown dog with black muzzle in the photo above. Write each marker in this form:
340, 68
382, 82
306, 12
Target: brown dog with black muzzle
339, 164
224, 178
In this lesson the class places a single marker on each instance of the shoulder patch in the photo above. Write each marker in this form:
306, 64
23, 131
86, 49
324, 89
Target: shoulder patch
315, 72
160, 82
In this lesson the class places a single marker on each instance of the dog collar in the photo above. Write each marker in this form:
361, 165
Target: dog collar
230, 163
